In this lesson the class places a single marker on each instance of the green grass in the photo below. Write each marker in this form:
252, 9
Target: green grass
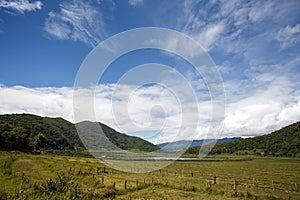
27, 176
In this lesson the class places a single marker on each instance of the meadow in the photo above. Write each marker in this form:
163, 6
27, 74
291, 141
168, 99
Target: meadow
28, 176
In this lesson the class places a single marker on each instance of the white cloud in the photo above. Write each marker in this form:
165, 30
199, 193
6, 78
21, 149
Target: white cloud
211, 34
290, 113
264, 103
289, 36
251, 117
135, 3
21, 6
77, 20
52, 102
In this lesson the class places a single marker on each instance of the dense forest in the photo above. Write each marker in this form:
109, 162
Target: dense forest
284, 142
31, 133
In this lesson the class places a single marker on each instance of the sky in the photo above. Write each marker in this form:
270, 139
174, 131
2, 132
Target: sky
255, 46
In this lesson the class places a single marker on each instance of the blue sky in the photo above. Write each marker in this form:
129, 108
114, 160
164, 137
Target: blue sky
255, 45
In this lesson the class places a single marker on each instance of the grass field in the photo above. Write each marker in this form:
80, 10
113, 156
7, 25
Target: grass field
26, 176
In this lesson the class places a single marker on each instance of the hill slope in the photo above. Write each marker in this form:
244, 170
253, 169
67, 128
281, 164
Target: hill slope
283, 142
90, 132
25, 132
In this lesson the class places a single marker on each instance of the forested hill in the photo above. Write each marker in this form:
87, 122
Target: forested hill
284, 142
31, 133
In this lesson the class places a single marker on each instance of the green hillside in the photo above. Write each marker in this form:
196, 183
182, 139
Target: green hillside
284, 142
31, 133
127, 142
122, 141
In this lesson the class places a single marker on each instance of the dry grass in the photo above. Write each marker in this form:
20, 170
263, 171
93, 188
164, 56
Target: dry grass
256, 178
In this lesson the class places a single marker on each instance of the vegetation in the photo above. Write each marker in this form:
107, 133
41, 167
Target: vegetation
18, 138
26, 132
228, 175
31, 133
28, 176
284, 142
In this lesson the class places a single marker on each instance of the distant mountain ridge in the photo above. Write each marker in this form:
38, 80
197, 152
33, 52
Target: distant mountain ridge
283, 142
26, 132
182, 144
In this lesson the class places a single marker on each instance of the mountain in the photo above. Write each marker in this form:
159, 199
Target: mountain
182, 144
283, 142
31, 133
120, 140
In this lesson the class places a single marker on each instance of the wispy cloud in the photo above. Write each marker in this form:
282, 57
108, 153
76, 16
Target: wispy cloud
135, 3
289, 36
239, 27
211, 34
20, 6
77, 20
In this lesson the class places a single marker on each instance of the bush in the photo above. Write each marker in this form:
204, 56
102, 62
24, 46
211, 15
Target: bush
60, 184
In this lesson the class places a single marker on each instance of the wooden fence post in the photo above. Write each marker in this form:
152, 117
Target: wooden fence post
102, 180
215, 180
152, 180
125, 184
144, 180
137, 182
234, 184
114, 185
192, 174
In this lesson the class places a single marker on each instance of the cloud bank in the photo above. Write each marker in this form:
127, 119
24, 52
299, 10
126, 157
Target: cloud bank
260, 111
